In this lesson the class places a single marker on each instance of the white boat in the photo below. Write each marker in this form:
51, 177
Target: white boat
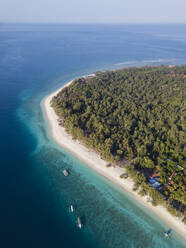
71, 208
79, 223
65, 172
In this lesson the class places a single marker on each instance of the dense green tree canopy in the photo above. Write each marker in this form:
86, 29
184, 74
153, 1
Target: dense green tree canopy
133, 113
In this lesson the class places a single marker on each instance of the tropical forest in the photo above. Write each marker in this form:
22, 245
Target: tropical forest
134, 118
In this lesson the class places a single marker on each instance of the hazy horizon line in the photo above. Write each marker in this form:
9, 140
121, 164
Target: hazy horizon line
93, 23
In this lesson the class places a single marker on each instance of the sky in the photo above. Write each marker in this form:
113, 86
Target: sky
93, 11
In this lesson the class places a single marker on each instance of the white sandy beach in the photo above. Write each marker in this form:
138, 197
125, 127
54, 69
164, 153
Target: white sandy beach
94, 161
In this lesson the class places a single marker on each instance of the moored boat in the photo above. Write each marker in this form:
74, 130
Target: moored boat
168, 233
79, 223
71, 208
65, 172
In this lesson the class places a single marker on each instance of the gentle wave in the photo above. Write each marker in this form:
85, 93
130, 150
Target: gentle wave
145, 61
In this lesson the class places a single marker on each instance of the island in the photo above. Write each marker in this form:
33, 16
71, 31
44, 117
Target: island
130, 126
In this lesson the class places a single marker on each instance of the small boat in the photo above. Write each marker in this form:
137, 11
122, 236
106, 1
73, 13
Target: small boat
168, 233
79, 223
65, 172
71, 208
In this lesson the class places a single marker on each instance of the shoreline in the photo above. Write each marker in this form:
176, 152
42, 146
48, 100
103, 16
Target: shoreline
92, 159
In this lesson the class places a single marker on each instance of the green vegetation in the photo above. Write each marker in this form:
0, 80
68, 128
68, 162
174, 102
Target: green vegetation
136, 114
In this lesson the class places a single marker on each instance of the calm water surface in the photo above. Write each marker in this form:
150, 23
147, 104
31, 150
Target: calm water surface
35, 196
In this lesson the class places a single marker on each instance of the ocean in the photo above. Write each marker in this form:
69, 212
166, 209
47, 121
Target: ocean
36, 59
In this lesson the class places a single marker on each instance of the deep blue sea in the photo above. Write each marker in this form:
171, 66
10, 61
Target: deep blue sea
34, 195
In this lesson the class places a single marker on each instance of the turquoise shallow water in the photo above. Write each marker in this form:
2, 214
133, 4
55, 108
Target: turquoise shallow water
35, 196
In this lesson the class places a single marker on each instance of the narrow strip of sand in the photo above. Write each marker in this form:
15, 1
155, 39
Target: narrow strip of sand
92, 159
